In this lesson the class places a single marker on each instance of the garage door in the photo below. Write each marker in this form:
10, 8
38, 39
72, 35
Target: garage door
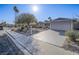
61, 26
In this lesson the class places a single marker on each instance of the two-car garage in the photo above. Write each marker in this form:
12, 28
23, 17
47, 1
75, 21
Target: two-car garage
62, 25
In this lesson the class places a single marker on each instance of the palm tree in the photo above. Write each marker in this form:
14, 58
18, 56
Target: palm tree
50, 19
16, 12
15, 9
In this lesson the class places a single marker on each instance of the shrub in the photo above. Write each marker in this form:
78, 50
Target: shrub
72, 35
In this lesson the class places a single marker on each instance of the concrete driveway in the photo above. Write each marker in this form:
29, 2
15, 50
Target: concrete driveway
51, 37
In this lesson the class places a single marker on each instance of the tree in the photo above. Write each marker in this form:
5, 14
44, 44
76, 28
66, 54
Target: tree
16, 9
50, 18
26, 19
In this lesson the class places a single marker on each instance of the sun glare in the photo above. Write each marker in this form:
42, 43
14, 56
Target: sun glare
35, 8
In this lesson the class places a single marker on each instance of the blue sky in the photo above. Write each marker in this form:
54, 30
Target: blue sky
44, 11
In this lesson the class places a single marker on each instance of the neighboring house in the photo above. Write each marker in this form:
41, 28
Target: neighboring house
41, 24
1, 27
9, 25
62, 24
44, 24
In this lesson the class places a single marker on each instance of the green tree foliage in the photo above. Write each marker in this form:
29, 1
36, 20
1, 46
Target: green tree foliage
25, 19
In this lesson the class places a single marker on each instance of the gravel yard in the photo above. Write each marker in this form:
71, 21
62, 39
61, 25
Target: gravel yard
28, 32
7, 47
73, 48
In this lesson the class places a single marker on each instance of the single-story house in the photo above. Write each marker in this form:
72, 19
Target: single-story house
43, 24
1, 27
62, 24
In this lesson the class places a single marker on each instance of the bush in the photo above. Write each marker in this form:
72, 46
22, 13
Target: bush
72, 35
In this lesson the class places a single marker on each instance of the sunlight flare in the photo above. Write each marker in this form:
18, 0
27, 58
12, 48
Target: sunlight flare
35, 8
